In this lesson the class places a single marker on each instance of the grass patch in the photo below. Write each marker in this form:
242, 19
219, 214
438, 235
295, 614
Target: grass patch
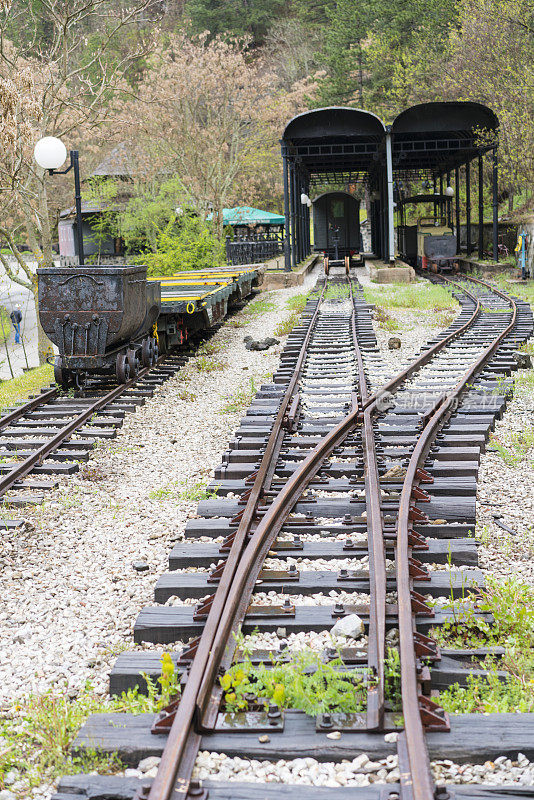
297, 303
190, 494
419, 295
337, 291
520, 445
510, 284
240, 399
235, 322
258, 307
20, 388
286, 325
525, 378
207, 364
512, 605
186, 395
208, 349
38, 731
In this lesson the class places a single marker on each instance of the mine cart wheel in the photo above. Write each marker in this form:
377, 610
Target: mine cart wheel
147, 352
133, 363
155, 351
123, 368
61, 376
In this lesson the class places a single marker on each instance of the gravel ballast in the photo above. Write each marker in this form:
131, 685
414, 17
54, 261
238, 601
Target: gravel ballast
70, 591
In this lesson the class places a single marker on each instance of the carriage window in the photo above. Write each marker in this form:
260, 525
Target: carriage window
336, 209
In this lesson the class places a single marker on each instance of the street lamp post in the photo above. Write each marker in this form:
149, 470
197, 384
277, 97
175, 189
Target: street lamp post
50, 153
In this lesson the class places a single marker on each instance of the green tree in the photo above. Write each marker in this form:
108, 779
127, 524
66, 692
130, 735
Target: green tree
235, 17
344, 54
186, 243
149, 212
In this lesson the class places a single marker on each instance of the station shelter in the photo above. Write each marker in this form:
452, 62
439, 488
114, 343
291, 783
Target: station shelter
431, 144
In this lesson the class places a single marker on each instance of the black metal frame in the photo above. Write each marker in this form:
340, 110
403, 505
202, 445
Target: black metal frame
75, 165
434, 140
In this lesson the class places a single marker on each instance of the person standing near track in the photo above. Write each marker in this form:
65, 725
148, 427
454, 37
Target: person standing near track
16, 319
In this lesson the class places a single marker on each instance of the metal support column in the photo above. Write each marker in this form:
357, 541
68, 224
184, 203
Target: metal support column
287, 244
495, 205
299, 218
468, 206
390, 219
293, 183
457, 209
449, 204
78, 201
480, 207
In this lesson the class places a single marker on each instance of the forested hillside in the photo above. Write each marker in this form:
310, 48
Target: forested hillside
198, 92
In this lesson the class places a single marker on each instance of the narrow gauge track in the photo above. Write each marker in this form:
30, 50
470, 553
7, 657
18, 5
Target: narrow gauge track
37, 434
329, 364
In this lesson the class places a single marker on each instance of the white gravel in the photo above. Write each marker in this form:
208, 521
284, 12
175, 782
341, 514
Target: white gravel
70, 595
360, 771
505, 490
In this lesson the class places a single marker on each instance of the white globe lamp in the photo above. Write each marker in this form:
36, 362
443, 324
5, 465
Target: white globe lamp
50, 152
449, 191
304, 198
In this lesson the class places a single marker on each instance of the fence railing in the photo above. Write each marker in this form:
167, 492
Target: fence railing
253, 250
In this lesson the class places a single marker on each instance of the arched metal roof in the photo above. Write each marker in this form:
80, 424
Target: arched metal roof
336, 144
440, 136
444, 116
334, 123
335, 191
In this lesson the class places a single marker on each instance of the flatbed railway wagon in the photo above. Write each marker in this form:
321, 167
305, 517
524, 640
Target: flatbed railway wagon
111, 320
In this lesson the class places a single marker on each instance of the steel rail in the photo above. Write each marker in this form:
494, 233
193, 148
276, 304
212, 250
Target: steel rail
415, 771
31, 405
37, 457
376, 648
178, 757
182, 745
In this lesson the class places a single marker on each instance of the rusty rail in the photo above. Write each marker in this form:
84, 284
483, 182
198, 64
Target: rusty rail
414, 762
196, 710
38, 456
31, 405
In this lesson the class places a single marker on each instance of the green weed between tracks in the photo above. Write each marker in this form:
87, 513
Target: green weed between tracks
241, 398
418, 295
37, 732
511, 604
304, 682
337, 291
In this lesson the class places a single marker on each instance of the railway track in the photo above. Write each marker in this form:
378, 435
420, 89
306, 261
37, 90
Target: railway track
335, 460
52, 433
